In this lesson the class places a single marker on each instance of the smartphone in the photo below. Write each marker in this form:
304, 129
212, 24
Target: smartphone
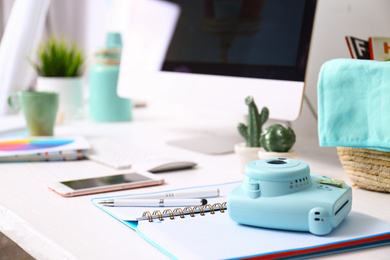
80, 187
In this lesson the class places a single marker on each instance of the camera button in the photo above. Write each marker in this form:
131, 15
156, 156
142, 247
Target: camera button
324, 187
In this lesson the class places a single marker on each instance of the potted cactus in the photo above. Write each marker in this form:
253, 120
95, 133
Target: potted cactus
248, 151
277, 141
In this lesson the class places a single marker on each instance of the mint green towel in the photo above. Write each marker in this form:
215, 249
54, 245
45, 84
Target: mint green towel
354, 104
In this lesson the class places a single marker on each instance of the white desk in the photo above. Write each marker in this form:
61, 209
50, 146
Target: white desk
48, 226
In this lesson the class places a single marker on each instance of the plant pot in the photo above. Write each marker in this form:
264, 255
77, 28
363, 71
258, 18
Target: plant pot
263, 154
245, 155
71, 97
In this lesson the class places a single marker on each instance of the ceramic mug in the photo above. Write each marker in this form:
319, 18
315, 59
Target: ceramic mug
39, 109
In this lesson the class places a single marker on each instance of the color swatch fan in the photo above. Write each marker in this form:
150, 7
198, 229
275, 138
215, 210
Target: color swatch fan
43, 148
33, 144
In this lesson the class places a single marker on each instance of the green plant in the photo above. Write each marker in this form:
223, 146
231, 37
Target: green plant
252, 131
277, 138
58, 59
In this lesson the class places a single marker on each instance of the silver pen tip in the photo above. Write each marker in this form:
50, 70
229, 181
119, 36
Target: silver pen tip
106, 202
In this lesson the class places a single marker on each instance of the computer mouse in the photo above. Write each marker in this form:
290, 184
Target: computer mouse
158, 164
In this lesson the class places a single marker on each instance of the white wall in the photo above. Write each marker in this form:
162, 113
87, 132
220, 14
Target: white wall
85, 22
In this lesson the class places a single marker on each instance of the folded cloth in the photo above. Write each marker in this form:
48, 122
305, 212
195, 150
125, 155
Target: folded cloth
354, 104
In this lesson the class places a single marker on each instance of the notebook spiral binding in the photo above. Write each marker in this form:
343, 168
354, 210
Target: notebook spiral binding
181, 212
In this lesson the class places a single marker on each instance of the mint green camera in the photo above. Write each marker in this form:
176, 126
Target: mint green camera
281, 193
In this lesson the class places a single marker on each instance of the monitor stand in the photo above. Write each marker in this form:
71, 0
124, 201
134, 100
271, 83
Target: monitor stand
215, 145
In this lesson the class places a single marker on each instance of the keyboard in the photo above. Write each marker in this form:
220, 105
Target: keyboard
116, 154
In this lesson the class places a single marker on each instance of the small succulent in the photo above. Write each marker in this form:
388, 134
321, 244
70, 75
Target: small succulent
277, 138
58, 59
252, 131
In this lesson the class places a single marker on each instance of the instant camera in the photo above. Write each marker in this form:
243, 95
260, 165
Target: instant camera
281, 193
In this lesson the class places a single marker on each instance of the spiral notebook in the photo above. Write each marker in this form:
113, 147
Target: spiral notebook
209, 233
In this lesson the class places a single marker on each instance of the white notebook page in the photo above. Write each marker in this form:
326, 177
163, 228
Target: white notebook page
216, 236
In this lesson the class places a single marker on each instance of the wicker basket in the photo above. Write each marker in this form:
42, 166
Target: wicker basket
368, 169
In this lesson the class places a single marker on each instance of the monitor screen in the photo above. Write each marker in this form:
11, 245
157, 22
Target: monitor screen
209, 55
254, 39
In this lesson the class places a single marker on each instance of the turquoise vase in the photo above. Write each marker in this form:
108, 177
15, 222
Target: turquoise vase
104, 103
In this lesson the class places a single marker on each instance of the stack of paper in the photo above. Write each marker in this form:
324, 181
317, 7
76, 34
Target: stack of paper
213, 235
27, 149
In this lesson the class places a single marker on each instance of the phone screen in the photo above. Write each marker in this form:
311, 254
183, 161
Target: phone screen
105, 181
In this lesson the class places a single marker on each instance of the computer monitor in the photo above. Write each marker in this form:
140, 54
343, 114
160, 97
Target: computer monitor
210, 55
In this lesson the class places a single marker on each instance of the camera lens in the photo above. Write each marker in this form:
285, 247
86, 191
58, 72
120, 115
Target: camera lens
277, 162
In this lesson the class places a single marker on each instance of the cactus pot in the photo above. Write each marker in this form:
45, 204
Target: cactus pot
263, 154
70, 90
245, 155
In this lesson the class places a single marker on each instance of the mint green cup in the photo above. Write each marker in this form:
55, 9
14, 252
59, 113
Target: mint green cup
39, 109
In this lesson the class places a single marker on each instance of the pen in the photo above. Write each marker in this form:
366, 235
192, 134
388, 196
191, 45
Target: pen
182, 194
153, 202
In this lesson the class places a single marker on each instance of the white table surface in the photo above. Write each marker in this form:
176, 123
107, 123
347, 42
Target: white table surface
48, 226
